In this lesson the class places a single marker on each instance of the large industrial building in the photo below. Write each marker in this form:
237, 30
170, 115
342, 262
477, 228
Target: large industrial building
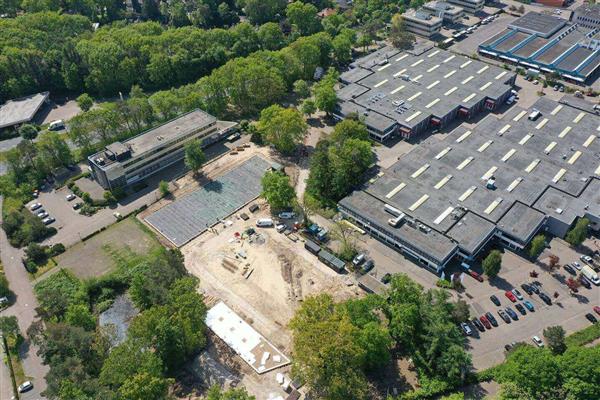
551, 44
124, 163
531, 170
405, 93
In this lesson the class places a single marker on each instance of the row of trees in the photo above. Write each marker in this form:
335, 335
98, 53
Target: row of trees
337, 346
84, 361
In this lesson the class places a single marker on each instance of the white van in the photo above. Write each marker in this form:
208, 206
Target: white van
264, 223
589, 273
57, 125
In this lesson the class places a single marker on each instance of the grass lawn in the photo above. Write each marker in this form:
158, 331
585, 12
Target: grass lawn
93, 257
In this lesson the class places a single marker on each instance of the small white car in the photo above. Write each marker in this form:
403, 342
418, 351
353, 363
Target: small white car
576, 265
35, 206
287, 215
42, 214
70, 197
586, 259
25, 386
538, 342
280, 228
48, 220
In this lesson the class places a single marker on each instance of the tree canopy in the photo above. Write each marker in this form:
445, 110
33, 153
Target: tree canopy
194, 156
283, 127
579, 232
278, 192
492, 263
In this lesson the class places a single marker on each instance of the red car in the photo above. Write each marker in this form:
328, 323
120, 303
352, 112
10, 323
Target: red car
510, 296
597, 309
476, 275
485, 322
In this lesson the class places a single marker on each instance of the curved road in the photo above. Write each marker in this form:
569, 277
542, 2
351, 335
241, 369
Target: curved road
24, 310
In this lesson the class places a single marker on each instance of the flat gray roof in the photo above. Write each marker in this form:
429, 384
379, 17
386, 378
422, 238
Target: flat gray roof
409, 87
443, 183
589, 10
21, 110
538, 23
189, 216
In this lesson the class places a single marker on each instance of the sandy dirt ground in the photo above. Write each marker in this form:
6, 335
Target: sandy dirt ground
263, 278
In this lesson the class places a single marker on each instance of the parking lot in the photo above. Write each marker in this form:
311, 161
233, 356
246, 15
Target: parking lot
468, 46
487, 348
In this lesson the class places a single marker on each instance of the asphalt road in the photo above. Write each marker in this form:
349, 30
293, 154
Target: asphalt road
24, 310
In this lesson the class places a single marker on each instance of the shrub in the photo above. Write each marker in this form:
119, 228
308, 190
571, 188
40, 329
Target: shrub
57, 249
442, 283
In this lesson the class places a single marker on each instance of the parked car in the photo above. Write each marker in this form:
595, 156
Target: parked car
538, 342
503, 315
359, 259
36, 194
287, 215
529, 305
510, 296
586, 259
476, 275
478, 324
517, 294
570, 269
367, 266
491, 318
25, 386
511, 313
280, 228
42, 214
508, 347
48, 220
527, 289
545, 298
71, 196
585, 282
590, 317
485, 322
264, 223
77, 205
495, 300
521, 309
466, 329
35, 206
597, 310
576, 265
57, 125
535, 288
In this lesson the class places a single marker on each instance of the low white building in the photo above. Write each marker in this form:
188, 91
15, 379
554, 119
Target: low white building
422, 23
449, 13
470, 6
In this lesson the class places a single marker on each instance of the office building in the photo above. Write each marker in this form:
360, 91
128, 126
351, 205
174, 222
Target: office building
449, 13
123, 163
470, 6
22, 110
422, 23
551, 44
409, 92
508, 178
587, 15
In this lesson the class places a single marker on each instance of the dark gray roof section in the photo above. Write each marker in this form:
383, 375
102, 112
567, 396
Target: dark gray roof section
471, 232
21, 110
589, 10
537, 23
512, 41
354, 75
521, 222
189, 216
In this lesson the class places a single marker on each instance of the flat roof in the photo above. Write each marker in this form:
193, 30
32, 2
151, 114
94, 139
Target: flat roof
589, 10
538, 23
411, 86
444, 7
21, 110
444, 183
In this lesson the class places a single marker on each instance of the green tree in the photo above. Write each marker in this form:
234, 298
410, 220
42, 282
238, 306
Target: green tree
301, 88
492, 263
28, 132
533, 371
9, 326
194, 156
308, 107
399, 36
578, 233
580, 381
460, 311
36, 253
325, 98
215, 393
349, 129
538, 243
282, 127
303, 17
126, 360
85, 102
4, 288
342, 49
54, 151
261, 11
555, 337
80, 315
278, 192
163, 188
144, 386
271, 37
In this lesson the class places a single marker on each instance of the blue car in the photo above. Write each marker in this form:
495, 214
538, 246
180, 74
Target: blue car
529, 305
511, 313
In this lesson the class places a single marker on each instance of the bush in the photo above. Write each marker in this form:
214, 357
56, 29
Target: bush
57, 249
583, 336
4, 289
442, 283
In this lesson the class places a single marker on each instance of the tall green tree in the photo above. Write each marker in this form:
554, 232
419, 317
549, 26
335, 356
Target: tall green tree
579, 232
278, 192
194, 156
85, 102
303, 17
555, 338
399, 36
492, 263
28, 132
537, 245
282, 127
261, 11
